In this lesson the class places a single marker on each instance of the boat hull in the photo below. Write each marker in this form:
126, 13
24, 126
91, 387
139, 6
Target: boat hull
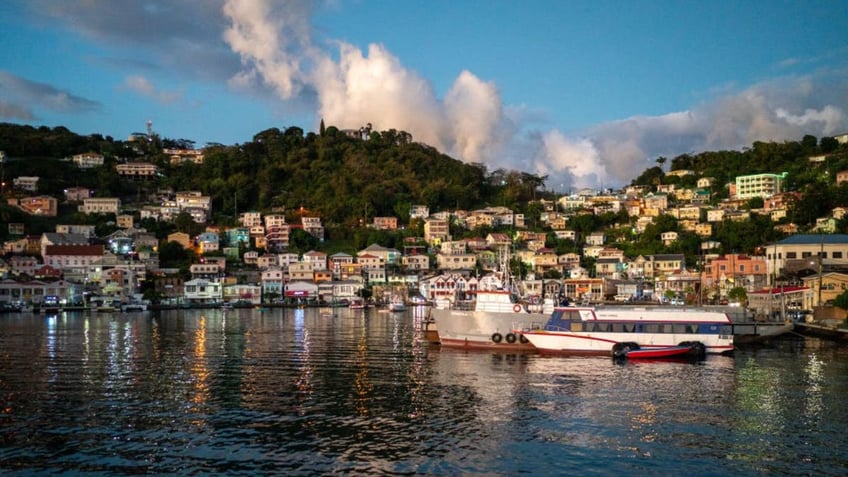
603, 343
587, 330
486, 330
691, 350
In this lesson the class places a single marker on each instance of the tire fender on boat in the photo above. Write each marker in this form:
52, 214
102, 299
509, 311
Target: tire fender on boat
516, 308
523, 339
619, 350
510, 338
497, 337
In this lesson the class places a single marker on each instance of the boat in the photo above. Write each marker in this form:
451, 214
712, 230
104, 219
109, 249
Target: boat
490, 324
690, 350
597, 330
397, 304
50, 304
357, 304
133, 306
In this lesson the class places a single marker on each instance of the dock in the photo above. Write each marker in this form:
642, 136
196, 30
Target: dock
830, 332
757, 332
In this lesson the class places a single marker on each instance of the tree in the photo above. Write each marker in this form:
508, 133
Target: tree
842, 302
301, 241
738, 295
828, 145
755, 203
173, 255
809, 143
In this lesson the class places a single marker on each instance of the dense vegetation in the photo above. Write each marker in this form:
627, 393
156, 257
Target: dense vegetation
349, 181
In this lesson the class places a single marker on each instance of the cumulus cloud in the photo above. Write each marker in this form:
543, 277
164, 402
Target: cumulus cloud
143, 86
773, 111
354, 87
269, 47
20, 98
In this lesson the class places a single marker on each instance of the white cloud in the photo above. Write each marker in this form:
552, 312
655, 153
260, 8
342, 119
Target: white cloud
830, 120
143, 86
354, 88
348, 87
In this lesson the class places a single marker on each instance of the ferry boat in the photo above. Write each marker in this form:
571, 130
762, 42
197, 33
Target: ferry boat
596, 331
490, 324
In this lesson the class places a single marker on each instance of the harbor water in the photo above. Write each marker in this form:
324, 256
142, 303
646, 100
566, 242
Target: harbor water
358, 392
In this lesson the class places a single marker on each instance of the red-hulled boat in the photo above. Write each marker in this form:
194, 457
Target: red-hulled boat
694, 350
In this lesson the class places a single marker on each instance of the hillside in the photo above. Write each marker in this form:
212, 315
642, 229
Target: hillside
347, 181
340, 178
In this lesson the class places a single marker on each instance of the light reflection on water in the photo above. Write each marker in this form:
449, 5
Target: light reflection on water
303, 392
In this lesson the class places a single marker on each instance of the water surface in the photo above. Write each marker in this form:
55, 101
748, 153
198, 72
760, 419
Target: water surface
312, 392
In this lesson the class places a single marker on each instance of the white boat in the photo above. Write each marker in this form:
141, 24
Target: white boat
588, 330
133, 306
491, 324
397, 304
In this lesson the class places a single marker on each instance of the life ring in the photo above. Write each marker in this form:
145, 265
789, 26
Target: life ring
497, 337
523, 339
516, 308
510, 338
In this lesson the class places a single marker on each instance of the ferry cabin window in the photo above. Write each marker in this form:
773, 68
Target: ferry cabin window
623, 327
684, 328
572, 315
576, 326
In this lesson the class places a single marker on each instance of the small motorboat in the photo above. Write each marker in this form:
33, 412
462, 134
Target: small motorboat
692, 350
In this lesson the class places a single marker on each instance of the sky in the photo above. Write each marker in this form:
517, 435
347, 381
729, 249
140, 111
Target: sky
586, 93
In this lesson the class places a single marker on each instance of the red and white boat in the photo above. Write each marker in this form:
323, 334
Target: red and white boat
596, 331
690, 350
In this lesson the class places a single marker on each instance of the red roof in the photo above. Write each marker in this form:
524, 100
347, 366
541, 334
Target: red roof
80, 250
779, 290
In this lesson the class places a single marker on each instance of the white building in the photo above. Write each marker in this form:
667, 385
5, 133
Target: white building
201, 290
100, 205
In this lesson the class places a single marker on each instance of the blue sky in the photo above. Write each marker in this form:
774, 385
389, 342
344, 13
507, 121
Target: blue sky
589, 93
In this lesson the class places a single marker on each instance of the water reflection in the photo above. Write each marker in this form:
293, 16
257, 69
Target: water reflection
297, 392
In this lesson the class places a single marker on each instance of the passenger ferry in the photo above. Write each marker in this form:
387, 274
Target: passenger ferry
596, 331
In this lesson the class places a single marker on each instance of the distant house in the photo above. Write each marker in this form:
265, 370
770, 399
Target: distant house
200, 291
21, 264
100, 205
385, 223
436, 231
88, 160
317, 259
208, 242
26, 183
43, 205
181, 238
137, 170
72, 257
273, 281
